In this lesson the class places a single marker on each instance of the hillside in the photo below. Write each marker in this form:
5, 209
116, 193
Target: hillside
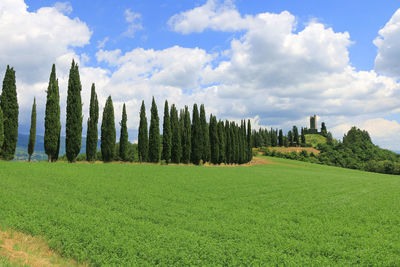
315, 139
283, 213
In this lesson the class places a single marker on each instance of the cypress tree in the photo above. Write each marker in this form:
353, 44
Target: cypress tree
143, 139
154, 134
186, 136
197, 144
237, 144
303, 137
1, 129
167, 135
92, 132
74, 114
214, 142
324, 131
290, 138
221, 142
108, 134
205, 156
123, 137
280, 138
52, 124
32, 132
228, 155
249, 142
176, 148
9, 106
295, 136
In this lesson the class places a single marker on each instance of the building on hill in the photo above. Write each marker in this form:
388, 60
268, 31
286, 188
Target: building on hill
313, 125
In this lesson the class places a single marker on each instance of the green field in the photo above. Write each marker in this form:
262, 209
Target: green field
291, 213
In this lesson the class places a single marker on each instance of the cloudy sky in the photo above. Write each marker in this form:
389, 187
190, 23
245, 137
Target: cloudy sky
275, 62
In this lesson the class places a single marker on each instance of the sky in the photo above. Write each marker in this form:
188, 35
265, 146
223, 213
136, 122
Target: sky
274, 62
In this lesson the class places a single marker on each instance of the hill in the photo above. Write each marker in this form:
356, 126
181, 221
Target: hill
315, 139
283, 213
39, 154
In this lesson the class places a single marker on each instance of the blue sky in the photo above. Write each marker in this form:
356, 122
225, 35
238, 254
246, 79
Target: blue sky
274, 62
362, 19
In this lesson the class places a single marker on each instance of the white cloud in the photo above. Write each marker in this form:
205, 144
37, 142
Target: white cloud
383, 132
214, 15
388, 43
135, 23
63, 7
102, 43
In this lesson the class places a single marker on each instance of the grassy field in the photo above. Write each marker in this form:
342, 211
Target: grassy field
315, 139
294, 149
289, 212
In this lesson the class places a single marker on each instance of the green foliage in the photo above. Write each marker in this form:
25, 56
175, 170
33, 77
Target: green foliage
74, 114
221, 142
186, 135
176, 149
154, 134
287, 213
108, 134
143, 139
167, 135
9, 106
205, 156
314, 139
52, 124
123, 138
92, 132
324, 131
32, 132
1, 129
214, 140
295, 136
197, 141
249, 142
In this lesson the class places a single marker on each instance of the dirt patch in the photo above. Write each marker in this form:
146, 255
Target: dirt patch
24, 249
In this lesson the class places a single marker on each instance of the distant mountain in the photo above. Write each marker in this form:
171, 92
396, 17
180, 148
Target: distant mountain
39, 154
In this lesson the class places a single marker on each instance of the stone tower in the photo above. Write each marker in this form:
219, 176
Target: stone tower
313, 123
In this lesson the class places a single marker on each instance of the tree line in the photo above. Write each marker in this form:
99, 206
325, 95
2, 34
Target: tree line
186, 138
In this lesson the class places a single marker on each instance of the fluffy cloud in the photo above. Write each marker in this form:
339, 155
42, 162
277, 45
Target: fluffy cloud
383, 132
32, 42
135, 23
388, 43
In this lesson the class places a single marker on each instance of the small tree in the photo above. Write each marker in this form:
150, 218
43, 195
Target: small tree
143, 139
92, 132
154, 134
324, 131
176, 148
123, 138
108, 134
303, 137
32, 132
167, 137
280, 138
295, 136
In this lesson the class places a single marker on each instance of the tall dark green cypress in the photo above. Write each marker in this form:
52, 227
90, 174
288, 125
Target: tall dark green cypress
221, 142
9, 105
123, 137
32, 132
295, 136
74, 114
176, 148
214, 142
228, 153
205, 156
92, 135
280, 138
154, 134
186, 136
249, 142
290, 138
1, 129
108, 132
303, 137
52, 124
197, 144
143, 139
167, 135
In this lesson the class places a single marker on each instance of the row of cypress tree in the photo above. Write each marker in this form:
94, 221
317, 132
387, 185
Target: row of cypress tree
190, 139
185, 138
